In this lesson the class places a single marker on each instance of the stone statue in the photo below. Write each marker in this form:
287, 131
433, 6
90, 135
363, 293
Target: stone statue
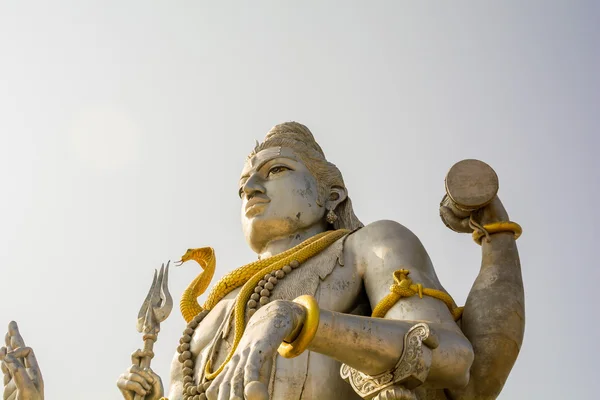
333, 309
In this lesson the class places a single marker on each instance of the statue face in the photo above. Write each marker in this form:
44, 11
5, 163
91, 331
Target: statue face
279, 197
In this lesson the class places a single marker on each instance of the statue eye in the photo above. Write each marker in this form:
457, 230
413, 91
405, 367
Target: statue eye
278, 169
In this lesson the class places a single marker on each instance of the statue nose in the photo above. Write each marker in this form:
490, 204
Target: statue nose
253, 186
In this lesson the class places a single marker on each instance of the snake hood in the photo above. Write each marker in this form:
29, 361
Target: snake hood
205, 256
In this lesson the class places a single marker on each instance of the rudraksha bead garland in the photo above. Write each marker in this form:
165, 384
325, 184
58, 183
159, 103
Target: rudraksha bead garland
191, 391
260, 297
265, 287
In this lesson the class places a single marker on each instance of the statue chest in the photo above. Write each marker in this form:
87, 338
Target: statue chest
335, 286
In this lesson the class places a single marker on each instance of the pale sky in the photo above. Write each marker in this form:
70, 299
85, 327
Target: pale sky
124, 127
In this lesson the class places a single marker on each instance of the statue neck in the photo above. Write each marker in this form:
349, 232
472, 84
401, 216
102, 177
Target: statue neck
280, 245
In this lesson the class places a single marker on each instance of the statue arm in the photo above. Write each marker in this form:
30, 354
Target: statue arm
374, 345
494, 315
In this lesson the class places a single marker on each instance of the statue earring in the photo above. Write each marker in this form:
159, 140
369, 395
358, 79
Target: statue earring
331, 217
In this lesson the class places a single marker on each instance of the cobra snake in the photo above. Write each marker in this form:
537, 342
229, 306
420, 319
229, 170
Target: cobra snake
246, 276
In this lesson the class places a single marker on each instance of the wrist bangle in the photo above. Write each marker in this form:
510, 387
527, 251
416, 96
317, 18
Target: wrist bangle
308, 331
497, 227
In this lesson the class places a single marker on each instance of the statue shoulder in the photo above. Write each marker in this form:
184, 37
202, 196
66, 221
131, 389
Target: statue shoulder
384, 232
395, 245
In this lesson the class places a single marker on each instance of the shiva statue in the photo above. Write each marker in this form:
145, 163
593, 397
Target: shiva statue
332, 308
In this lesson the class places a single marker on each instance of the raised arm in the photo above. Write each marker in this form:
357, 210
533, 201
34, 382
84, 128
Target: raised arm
494, 314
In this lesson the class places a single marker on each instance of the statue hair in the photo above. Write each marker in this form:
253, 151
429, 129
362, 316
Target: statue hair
299, 138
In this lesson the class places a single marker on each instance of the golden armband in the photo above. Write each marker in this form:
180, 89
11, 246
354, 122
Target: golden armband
497, 227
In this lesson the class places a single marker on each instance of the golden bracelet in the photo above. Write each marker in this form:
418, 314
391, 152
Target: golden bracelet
497, 227
308, 331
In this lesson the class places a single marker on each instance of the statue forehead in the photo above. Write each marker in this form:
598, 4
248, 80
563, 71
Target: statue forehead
266, 155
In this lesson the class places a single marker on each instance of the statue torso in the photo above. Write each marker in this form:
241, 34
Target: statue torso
336, 287
333, 277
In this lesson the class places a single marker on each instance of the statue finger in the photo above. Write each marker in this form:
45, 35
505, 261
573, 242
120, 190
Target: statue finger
128, 395
7, 342
454, 222
31, 365
16, 340
139, 379
224, 390
136, 357
143, 373
132, 386
157, 386
237, 380
256, 391
225, 387
5, 372
212, 392
251, 373
10, 390
19, 374
33, 369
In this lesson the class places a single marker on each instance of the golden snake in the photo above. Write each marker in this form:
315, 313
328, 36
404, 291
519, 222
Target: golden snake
205, 256
248, 275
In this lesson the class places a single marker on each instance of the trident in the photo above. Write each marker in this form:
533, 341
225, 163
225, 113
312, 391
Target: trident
156, 309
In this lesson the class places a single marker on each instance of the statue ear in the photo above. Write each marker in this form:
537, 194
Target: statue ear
337, 194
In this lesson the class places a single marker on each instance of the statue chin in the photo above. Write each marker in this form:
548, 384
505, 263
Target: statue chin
260, 231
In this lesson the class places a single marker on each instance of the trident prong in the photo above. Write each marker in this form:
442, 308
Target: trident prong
158, 303
156, 308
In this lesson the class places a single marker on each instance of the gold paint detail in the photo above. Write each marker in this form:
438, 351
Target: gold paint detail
404, 287
497, 227
308, 331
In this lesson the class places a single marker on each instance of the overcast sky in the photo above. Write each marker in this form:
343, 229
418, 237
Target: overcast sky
124, 127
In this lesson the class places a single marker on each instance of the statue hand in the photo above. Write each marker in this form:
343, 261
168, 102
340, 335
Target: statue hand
22, 376
458, 220
247, 374
140, 381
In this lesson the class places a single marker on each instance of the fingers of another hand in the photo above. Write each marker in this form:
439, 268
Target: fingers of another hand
5, 372
147, 375
125, 384
19, 373
136, 357
139, 379
7, 342
10, 388
454, 222
157, 386
16, 340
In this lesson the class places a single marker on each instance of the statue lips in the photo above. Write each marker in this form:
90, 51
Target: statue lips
256, 204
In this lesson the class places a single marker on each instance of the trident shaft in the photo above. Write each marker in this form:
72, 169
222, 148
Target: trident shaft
155, 309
